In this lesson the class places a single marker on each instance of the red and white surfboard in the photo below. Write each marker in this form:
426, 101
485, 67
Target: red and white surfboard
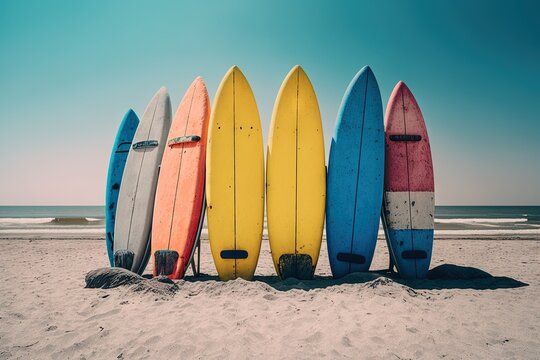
409, 202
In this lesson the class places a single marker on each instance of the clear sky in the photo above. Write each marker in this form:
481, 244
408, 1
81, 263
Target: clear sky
70, 69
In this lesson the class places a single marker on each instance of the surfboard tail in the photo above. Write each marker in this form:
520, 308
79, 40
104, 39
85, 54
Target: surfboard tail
124, 259
298, 266
165, 262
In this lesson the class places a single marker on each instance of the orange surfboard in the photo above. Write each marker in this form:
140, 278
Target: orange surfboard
179, 203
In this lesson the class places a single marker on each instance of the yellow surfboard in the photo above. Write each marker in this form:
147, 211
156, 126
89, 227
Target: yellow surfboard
235, 178
296, 178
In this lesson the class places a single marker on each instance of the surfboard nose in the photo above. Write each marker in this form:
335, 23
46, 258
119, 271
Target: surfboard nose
398, 93
401, 87
366, 69
162, 95
198, 80
359, 80
297, 69
162, 91
198, 83
235, 70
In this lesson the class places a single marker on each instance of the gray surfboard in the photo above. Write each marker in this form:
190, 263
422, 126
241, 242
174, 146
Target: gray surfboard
137, 191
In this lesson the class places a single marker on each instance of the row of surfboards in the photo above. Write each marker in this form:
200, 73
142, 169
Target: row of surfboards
165, 171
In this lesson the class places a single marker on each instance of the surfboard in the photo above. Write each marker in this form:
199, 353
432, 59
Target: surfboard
179, 203
138, 188
117, 163
409, 202
235, 179
355, 177
296, 178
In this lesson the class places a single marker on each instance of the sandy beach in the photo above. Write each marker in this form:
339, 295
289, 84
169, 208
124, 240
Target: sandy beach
46, 311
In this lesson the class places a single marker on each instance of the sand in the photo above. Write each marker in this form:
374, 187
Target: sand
46, 311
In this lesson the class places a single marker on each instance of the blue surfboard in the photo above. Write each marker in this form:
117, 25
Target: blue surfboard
355, 177
117, 162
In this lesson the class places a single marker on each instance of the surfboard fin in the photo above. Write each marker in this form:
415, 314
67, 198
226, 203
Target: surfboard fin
165, 262
299, 266
124, 259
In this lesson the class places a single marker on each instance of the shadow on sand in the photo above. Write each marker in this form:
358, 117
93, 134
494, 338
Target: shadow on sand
446, 276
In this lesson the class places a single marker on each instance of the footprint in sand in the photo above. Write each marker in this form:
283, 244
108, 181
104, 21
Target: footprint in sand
345, 341
377, 339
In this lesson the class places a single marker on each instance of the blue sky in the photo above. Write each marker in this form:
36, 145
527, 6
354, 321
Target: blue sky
70, 69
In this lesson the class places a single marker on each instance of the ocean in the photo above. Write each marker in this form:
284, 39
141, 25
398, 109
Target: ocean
87, 222
44, 222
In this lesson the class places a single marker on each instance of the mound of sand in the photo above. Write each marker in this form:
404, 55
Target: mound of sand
107, 278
